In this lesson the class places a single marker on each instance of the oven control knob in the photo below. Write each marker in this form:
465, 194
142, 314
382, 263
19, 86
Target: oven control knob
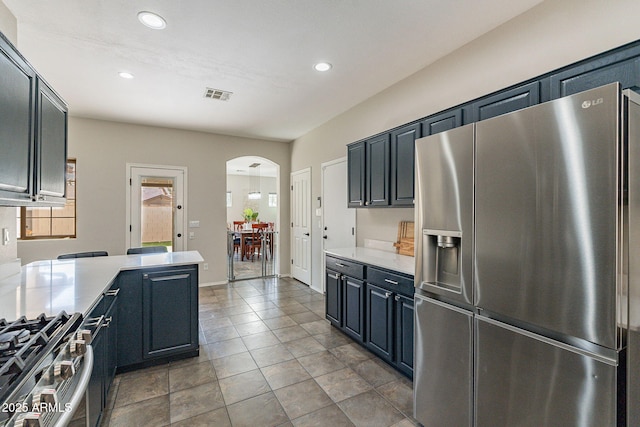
84, 335
30, 419
63, 370
77, 347
45, 400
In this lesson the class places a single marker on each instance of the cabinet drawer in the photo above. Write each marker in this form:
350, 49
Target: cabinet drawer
393, 282
348, 268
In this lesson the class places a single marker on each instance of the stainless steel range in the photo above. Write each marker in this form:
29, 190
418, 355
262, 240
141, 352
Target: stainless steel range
45, 365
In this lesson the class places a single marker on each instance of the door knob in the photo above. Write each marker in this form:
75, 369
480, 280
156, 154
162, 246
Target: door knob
324, 237
179, 234
306, 234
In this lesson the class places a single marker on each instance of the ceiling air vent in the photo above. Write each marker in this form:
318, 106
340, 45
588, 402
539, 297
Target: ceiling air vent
220, 95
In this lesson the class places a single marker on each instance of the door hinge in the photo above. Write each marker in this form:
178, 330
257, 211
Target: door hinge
292, 188
130, 229
353, 231
291, 225
291, 261
130, 182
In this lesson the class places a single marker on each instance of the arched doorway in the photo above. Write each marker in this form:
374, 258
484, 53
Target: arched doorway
253, 217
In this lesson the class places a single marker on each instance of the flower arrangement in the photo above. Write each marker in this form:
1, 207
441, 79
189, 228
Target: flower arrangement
249, 215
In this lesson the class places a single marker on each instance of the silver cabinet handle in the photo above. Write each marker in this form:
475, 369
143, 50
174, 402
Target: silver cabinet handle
335, 276
96, 321
340, 265
397, 298
112, 292
107, 321
393, 282
387, 294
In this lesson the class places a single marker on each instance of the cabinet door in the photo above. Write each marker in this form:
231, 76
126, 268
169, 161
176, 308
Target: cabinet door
111, 350
129, 320
353, 312
51, 146
17, 97
95, 389
441, 122
169, 312
404, 334
379, 324
333, 297
506, 102
597, 73
403, 143
356, 175
377, 171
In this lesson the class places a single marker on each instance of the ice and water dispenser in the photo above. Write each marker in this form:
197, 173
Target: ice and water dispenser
441, 260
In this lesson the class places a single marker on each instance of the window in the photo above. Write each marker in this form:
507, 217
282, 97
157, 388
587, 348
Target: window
273, 200
51, 222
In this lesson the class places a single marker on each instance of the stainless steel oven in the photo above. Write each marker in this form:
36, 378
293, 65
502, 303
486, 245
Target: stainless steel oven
45, 366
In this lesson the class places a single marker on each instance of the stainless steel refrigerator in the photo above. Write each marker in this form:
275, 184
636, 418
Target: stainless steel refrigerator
526, 232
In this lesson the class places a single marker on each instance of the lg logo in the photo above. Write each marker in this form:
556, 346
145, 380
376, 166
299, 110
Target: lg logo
587, 104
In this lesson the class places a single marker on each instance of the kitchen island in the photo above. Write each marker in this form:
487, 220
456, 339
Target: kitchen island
74, 285
139, 310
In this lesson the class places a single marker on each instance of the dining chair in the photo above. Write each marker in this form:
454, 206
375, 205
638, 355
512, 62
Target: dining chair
90, 254
237, 236
147, 250
253, 244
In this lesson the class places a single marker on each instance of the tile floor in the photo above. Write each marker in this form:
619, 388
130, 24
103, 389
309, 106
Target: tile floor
267, 358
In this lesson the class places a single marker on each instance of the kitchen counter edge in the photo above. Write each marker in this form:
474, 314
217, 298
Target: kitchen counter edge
376, 258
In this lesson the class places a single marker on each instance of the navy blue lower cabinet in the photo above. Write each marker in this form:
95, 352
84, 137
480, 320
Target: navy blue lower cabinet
169, 312
353, 312
379, 323
157, 316
404, 334
333, 298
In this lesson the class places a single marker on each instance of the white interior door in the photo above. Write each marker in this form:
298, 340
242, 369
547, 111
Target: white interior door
301, 225
338, 221
157, 206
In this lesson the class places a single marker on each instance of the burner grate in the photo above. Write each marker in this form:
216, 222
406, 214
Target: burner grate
21, 357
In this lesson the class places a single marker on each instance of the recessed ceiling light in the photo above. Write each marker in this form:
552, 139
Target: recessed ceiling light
322, 66
152, 20
125, 75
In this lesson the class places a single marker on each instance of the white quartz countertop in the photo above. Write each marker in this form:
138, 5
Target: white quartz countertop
74, 285
389, 260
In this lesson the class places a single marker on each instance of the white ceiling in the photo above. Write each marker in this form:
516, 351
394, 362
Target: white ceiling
240, 166
261, 50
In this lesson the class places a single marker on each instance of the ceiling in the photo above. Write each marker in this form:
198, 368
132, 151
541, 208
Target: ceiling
263, 51
241, 166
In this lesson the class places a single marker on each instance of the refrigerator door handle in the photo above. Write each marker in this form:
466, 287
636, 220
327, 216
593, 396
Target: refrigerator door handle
599, 357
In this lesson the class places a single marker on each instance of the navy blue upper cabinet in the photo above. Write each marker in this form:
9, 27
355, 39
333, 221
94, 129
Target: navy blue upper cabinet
17, 102
441, 122
356, 177
596, 73
506, 102
403, 143
33, 134
377, 171
51, 146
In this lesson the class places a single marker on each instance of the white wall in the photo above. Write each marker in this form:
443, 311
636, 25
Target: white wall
103, 149
549, 36
240, 186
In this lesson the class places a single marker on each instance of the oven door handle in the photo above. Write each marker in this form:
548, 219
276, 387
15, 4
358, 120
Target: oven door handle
81, 388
